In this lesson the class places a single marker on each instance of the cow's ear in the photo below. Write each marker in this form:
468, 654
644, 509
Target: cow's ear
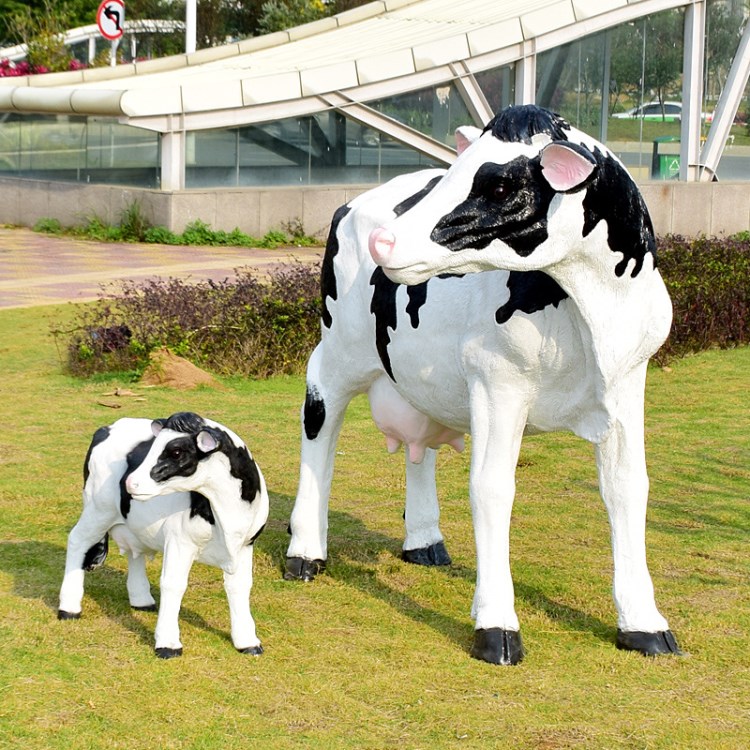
567, 166
465, 136
207, 441
157, 426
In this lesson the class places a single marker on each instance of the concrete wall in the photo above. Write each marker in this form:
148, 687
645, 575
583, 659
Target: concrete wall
682, 208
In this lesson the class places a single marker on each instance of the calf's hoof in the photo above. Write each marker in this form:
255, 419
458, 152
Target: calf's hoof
498, 646
648, 644
144, 608
63, 615
168, 653
301, 569
435, 554
252, 650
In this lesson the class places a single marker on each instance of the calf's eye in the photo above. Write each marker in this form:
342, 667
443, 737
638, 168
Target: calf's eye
500, 192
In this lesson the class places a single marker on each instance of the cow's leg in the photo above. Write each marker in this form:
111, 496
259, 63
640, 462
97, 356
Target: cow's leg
424, 543
496, 440
328, 395
139, 589
237, 586
623, 482
85, 550
178, 559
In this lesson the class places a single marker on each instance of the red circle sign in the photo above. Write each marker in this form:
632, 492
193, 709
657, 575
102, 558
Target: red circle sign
110, 18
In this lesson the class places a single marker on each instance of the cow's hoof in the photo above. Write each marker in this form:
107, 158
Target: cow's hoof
144, 608
301, 569
498, 646
168, 653
648, 644
252, 650
63, 615
435, 554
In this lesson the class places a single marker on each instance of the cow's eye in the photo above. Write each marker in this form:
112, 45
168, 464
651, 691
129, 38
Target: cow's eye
500, 192
175, 453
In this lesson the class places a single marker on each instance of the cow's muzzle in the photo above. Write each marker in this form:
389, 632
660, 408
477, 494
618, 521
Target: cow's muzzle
381, 244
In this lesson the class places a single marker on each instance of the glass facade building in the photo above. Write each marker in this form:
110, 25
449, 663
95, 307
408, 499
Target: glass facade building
601, 82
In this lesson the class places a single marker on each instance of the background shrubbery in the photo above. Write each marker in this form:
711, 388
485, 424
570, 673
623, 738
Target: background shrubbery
709, 282
259, 327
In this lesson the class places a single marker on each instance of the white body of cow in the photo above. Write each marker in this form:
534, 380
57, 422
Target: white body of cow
185, 486
554, 335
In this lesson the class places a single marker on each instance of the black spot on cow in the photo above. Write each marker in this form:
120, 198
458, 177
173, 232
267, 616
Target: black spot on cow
412, 200
199, 506
184, 421
509, 202
99, 437
521, 123
96, 554
383, 307
314, 413
614, 198
134, 459
530, 292
327, 274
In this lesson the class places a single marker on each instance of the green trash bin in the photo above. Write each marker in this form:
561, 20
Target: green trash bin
664, 166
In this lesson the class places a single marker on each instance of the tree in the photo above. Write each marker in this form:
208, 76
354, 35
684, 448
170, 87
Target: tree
278, 15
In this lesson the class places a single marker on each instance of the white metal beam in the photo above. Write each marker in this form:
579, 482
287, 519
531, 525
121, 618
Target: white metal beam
726, 108
692, 90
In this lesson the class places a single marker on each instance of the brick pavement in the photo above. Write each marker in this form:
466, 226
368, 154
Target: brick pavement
40, 269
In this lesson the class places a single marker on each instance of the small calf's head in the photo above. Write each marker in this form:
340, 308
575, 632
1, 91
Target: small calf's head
188, 453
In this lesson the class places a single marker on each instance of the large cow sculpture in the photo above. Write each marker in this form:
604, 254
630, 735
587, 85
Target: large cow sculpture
555, 334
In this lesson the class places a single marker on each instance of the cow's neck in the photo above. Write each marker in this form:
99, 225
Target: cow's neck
625, 319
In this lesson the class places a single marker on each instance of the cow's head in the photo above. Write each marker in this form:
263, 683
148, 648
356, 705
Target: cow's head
521, 197
176, 460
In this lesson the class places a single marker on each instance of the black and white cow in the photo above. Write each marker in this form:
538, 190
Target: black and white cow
200, 496
555, 334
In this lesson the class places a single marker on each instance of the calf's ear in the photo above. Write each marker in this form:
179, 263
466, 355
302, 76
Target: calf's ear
157, 426
207, 441
567, 166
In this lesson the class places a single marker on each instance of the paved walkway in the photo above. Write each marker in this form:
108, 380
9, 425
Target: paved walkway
40, 269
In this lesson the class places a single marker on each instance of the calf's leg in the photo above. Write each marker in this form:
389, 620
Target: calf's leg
237, 586
178, 559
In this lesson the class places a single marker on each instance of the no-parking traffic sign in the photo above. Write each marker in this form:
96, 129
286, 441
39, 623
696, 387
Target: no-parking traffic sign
110, 18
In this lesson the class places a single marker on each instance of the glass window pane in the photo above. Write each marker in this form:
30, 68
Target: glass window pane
498, 86
435, 111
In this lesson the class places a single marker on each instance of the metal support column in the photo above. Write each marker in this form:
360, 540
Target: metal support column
692, 90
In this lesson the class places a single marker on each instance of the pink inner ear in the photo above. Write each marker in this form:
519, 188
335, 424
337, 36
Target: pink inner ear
564, 168
156, 427
206, 442
465, 136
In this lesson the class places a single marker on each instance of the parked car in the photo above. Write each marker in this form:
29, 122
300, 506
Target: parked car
672, 112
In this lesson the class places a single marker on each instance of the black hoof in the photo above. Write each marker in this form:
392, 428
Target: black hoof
648, 644
63, 615
168, 653
300, 569
146, 608
497, 646
252, 650
435, 554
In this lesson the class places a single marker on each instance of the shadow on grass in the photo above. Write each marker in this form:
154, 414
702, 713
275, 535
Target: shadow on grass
37, 570
355, 552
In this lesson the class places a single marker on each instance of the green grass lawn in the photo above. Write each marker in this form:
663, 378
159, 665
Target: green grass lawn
374, 654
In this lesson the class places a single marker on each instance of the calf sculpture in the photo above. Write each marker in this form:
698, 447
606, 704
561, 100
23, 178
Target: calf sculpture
199, 496
555, 334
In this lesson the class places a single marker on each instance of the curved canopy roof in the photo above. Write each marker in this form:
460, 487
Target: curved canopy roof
379, 49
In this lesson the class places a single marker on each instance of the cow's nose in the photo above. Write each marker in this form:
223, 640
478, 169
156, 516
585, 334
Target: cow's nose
381, 245
130, 485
